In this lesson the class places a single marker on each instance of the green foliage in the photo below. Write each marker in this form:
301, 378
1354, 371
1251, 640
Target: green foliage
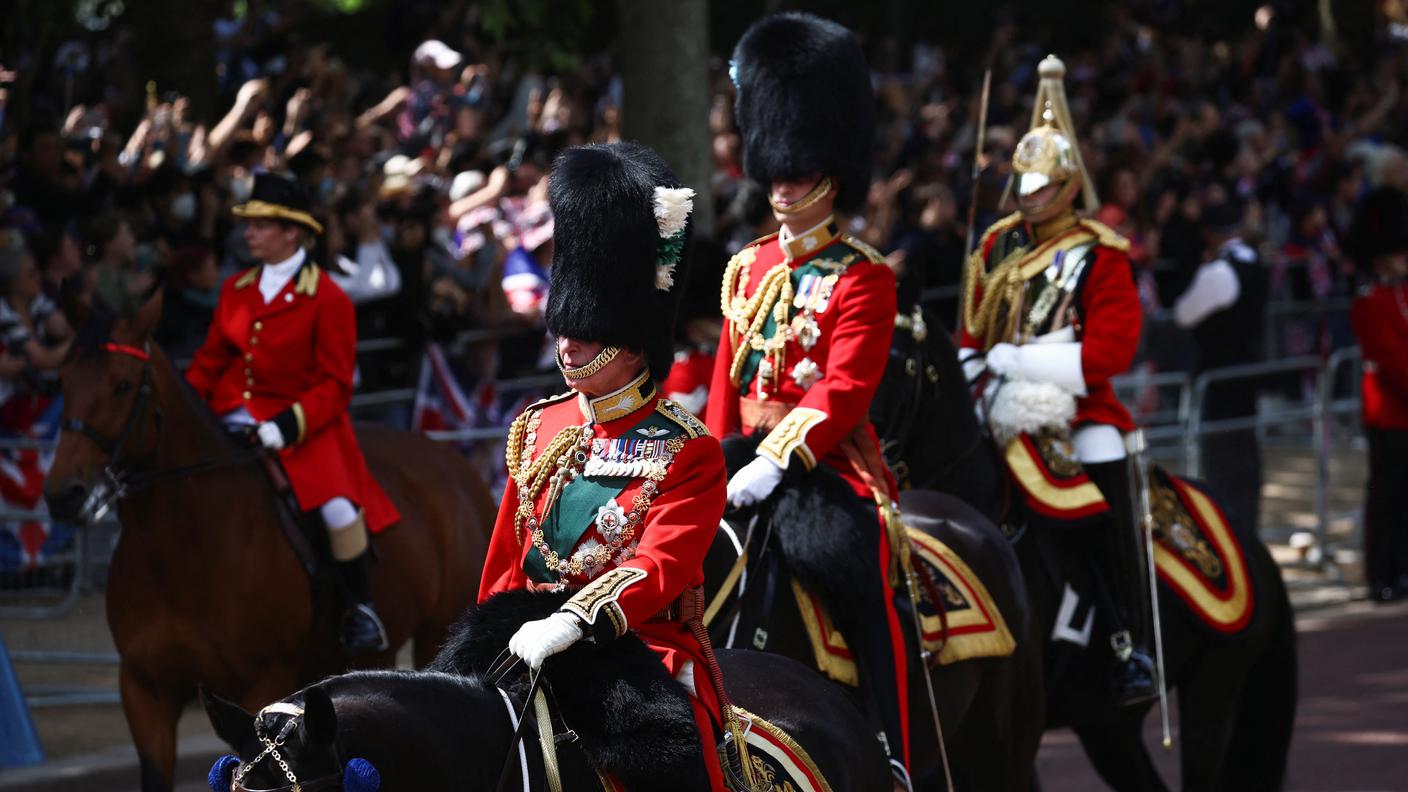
549, 35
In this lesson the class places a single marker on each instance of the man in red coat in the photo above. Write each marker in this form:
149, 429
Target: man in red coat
1051, 309
615, 493
1380, 318
279, 357
809, 313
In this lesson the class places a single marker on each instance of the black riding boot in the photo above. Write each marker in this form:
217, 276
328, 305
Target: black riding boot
362, 630
1125, 567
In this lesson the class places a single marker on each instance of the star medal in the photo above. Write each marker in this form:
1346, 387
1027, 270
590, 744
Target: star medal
805, 330
805, 373
610, 521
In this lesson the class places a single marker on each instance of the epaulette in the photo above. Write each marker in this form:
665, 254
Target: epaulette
247, 277
1104, 235
545, 401
760, 240
999, 227
685, 419
865, 250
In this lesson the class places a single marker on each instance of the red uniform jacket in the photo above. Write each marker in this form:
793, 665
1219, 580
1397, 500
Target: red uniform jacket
1380, 320
630, 575
291, 361
1108, 329
830, 384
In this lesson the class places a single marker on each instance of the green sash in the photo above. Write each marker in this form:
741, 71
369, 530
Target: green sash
576, 507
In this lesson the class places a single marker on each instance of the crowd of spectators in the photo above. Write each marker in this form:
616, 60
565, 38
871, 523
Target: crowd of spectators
431, 180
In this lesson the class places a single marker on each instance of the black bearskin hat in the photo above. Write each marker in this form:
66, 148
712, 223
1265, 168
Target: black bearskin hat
605, 283
1380, 227
805, 104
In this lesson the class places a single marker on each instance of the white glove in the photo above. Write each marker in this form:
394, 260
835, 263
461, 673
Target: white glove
270, 436
538, 640
973, 365
1002, 359
754, 482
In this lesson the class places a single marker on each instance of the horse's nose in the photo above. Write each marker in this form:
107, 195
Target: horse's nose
65, 499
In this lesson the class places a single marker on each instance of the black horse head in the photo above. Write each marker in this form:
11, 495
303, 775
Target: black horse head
924, 415
290, 743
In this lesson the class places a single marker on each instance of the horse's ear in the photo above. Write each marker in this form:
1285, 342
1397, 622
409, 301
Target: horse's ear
144, 323
319, 717
232, 724
76, 310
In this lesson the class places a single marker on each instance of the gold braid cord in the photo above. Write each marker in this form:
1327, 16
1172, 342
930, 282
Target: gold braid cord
532, 475
747, 315
1001, 288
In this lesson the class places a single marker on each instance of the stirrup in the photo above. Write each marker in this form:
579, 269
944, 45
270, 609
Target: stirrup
367, 615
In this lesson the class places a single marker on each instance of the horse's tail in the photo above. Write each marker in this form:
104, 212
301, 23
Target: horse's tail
1267, 711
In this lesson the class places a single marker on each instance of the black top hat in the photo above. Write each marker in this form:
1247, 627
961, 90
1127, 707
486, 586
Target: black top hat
805, 104
1380, 226
277, 198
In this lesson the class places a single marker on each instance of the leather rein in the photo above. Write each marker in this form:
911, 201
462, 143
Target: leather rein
119, 479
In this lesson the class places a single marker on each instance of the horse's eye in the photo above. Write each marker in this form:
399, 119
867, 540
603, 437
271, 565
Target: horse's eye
123, 386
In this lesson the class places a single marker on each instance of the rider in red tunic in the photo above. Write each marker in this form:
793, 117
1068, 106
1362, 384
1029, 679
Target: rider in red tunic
279, 357
809, 312
615, 493
1052, 312
1379, 240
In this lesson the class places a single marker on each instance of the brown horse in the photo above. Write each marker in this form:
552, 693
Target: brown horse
205, 590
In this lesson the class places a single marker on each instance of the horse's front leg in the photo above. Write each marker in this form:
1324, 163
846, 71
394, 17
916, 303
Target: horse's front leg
152, 712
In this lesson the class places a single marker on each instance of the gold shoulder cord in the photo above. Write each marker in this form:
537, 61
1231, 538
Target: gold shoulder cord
1002, 286
747, 315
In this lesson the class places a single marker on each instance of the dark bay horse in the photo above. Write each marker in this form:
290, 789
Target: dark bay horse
204, 589
438, 731
990, 707
1236, 692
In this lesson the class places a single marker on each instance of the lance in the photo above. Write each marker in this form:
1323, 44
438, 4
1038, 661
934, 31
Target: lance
973, 194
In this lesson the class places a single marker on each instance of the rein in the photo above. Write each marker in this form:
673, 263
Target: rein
271, 749
118, 479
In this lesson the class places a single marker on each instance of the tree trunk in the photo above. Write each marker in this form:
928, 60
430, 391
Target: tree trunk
665, 88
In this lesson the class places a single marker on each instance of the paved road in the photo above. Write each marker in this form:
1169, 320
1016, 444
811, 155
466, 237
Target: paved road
1352, 723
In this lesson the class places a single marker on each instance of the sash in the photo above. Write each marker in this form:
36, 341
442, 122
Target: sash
574, 512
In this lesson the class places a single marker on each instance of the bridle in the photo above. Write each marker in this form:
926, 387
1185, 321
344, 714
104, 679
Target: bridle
114, 484
271, 749
118, 477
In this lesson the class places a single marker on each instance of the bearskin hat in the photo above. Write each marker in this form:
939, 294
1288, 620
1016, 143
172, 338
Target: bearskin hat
613, 264
1380, 227
805, 104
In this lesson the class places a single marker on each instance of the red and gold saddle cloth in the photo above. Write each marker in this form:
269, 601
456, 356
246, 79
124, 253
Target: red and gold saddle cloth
1053, 484
1197, 554
1195, 550
967, 624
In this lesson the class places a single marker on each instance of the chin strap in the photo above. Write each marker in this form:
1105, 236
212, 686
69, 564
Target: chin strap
604, 357
823, 186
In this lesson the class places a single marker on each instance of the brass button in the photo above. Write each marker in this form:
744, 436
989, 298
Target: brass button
249, 381
258, 326
246, 395
248, 357
248, 372
254, 341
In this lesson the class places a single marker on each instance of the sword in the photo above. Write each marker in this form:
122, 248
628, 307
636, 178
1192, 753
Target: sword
899, 542
1138, 449
973, 193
